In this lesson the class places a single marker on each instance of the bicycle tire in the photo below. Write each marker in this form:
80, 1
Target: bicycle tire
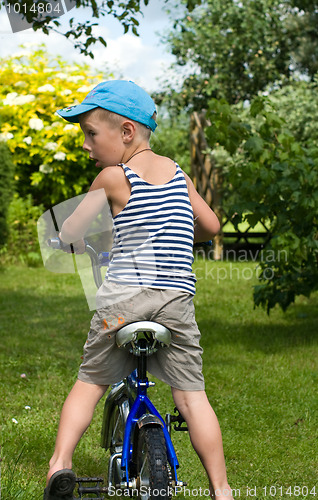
117, 429
152, 465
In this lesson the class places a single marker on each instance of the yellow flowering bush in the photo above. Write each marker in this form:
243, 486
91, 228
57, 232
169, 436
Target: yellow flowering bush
46, 150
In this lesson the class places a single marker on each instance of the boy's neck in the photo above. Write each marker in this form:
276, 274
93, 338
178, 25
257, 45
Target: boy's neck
137, 153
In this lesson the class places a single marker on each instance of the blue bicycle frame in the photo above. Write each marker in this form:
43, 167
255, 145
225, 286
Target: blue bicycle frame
143, 406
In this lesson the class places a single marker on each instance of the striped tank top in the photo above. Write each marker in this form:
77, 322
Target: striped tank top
153, 236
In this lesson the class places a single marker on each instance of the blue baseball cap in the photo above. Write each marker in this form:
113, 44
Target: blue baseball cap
119, 96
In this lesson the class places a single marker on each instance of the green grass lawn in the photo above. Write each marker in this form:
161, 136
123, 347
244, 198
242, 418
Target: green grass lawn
261, 378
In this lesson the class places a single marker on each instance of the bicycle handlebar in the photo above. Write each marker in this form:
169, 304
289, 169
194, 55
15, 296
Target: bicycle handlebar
56, 243
97, 260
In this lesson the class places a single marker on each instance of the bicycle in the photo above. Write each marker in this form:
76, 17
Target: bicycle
143, 462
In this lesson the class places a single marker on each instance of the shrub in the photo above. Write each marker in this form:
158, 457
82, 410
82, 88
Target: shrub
22, 243
49, 160
6, 188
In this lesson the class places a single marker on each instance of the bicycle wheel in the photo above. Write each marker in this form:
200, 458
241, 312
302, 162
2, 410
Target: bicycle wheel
117, 429
152, 465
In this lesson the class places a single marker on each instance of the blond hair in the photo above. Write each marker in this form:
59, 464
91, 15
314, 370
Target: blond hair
116, 120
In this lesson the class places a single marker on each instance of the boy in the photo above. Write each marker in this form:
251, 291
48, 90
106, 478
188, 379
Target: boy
153, 204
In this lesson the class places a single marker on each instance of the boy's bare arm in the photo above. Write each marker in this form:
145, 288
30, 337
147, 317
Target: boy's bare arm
75, 227
206, 222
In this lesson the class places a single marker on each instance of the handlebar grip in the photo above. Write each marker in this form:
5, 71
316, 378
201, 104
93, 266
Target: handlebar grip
57, 243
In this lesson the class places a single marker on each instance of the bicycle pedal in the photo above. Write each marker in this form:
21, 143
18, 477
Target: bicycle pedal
89, 480
178, 419
85, 487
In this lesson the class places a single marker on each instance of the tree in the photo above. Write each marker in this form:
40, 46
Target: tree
271, 178
236, 49
46, 150
43, 15
303, 33
298, 100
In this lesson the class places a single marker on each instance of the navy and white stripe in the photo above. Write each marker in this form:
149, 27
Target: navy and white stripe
153, 236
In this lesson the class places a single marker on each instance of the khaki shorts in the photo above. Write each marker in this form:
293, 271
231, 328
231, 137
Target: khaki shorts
179, 365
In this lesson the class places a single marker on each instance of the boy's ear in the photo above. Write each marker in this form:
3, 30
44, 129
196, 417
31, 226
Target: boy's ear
128, 131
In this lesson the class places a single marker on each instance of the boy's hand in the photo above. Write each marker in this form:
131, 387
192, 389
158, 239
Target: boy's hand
78, 246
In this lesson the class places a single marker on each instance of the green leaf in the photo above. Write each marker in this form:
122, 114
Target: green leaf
257, 106
102, 41
254, 145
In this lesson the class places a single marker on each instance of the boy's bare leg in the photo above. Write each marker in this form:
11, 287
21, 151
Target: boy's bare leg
76, 416
206, 438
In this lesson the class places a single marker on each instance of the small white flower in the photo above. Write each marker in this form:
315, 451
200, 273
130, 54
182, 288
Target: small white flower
17, 68
6, 136
14, 99
62, 76
10, 98
14, 420
51, 146
20, 84
85, 88
75, 78
66, 92
69, 126
27, 140
46, 88
60, 156
27, 407
36, 123
24, 99
45, 168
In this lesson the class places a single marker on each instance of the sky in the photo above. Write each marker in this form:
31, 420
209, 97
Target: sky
143, 59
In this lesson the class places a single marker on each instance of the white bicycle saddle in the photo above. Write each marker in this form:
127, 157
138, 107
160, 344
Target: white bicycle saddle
156, 335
